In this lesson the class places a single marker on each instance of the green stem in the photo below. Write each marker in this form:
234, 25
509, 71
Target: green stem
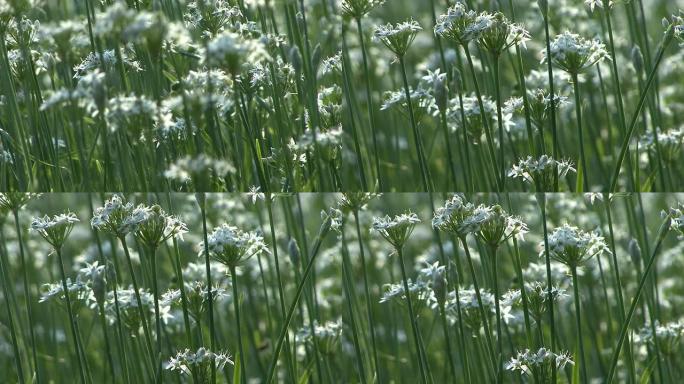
578, 318
201, 200
541, 200
414, 127
141, 310
369, 104
499, 334
662, 232
153, 254
27, 296
72, 320
325, 229
236, 308
369, 310
667, 39
414, 326
485, 122
499, 120
580, 135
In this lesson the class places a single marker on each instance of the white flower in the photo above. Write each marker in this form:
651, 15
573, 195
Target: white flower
231, 246
575, 54
396, 230
398, 37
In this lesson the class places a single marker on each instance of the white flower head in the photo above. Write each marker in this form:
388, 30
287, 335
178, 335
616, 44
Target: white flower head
396, 230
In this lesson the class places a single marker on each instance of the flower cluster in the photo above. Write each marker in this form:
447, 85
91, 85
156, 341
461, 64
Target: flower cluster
541, 363
669, 143
156, 226
358, 8
542, 172
326, 336
396, 230
117, 217
80, 295
574, 54
232, 246
398, 37
669, 336
461, 25
54, 229
199, 363
496, 226
502, 34
573, 247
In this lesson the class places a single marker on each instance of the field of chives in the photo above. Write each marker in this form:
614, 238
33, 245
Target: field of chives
312, 288
341, 191
322, 95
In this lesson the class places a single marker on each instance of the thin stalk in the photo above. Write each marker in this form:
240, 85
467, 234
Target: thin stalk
541, 200
578, 318
325, 229
72, 320
485, 122
103, 324
369, 104
236, 308
499, 333
414, 127
552, 112
580, 135
667, 40
662, 232
15, 343
201, 199
445, 329
478, 296
348, 286
141, 311
414, 325
27, 296
155, 288
281, 296
499, 120
369, 309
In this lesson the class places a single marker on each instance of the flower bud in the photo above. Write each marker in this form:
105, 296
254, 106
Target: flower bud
439, 286
296, 59
634, 251
457, 80
440, 91
637, 59
543, 7
316, 56
293, 251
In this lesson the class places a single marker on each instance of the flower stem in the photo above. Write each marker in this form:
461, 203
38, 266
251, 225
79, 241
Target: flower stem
667, 39
369, 309
153, 255
414, 326
541, 200
141, 311
414, 126
27, 296
325, 229
201, 199
72, 320
369, 103
664, 227
578, 317
485, 122
580, 134
236, 307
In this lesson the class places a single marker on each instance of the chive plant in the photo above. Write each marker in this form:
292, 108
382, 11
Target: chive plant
545, 307
213, 95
